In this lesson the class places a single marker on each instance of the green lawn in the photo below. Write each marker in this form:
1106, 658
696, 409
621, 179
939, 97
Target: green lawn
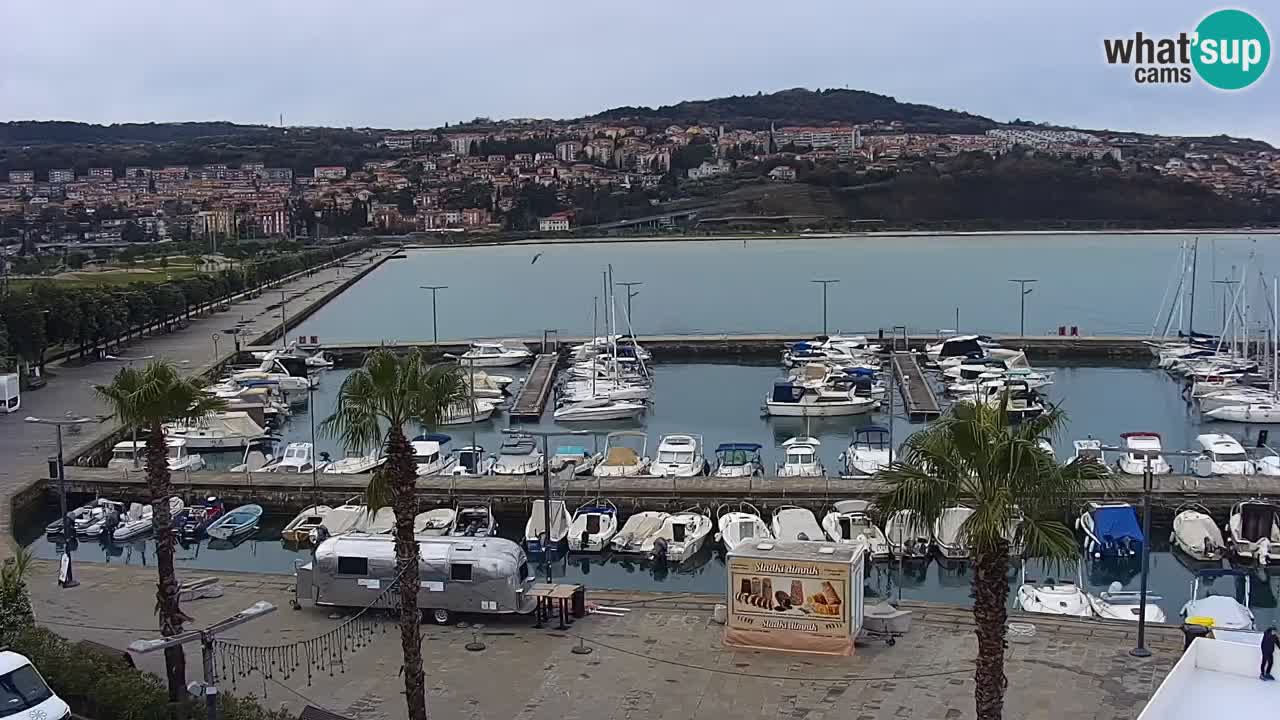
119, 276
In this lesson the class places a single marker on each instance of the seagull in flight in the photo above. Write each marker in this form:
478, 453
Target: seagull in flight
535, 258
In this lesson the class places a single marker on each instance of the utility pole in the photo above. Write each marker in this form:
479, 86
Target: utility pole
630, 294
545, 542
435, 337
824, 284
1022, 301
67, 579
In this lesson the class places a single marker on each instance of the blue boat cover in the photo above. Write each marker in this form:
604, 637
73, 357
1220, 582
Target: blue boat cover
860, 372
1116, 523
571, 450
730, 447
433, 437
801, 346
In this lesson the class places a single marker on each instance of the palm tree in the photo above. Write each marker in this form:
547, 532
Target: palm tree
145, 400
375, 404
973, 456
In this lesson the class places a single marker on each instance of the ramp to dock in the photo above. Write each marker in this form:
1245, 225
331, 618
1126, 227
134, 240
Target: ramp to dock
531, 399
917, 393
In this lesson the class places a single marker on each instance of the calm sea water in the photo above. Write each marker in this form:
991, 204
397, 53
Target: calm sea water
1104, 284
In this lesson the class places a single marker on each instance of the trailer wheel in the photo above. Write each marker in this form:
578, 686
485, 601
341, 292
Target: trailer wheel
440, 616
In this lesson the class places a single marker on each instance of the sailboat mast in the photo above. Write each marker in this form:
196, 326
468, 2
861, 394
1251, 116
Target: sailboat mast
595, 321
1275, 331
1191, 315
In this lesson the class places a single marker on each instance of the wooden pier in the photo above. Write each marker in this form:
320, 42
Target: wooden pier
917, 393
533, 394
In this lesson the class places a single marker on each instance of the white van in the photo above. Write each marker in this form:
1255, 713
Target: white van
24, 694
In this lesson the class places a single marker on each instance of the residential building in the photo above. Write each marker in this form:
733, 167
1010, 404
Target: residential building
708, 169
783, 173
62, 175
544, 157
101, 173
461, 144
273, 221
329, 172
475, 217
559, 222
398, 142
568, 151
276, 175
22, 177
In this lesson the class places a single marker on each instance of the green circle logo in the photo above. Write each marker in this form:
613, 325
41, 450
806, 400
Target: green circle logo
1231, 49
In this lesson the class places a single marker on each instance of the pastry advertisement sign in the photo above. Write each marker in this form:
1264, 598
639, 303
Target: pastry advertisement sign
788, 604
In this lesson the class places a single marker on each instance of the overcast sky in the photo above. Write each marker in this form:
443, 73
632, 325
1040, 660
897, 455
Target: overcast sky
420, 63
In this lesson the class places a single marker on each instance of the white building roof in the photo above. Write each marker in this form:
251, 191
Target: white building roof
1214, 678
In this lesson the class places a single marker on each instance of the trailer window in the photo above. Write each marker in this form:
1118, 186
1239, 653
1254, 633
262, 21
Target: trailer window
353, 565
460, 572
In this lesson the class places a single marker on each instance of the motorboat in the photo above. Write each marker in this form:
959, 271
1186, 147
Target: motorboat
1019, 401
494, 354
594, 525
1257, 413
1196, 534
1116, 603
474, 519
599, 409
353, 464
800, 458
679, 538
1089, 451
581, 460
219, 431
290, 376
299, 528
1225, 611
948, 532
139, 519
469, 461
1254, 531
376, 522
679, 456
434, 523
102, 523
258, 453
128, 455
1047, 446
429, 455
850, 522
1220, 454
738, 460
84, 515
518, 455
537, 538
836, 399
908, 535
484, 386
868, 453
636, 530
1234, 396
466, 412
297, 459
959, 347
237, 523
609, 388
1054, 597
200, 516
621, 460
1141, 448
795, 523
740, 526
1111, 530
338, 521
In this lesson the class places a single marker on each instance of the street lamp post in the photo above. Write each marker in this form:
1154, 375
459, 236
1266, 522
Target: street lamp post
824, 284
630, 294
1022, 302
284, 321
435, 337
215, 347
546, 483
68, 528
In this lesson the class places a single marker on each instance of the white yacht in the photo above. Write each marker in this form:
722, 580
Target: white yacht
354, 464
466, 412
1054, 597
474, 519
834, 399
679, 456
1253, 531
1220, 454
679, 538
494, 354
850, 522
434, 523
429, 455
594, 525
738, 460
482, 385
219, 431
1139, 447
258, 453
908, 535
129, 455
948, 532
868, 453
1234, 396
468, 461
1196, 534
795, 523
801, 458
1090, 451
953, 350
576, 391
1226, 611
740, 526
1116, 603
518, 455
538, 539
1256, 413
620, 459
636, 530
599, 409
297, 459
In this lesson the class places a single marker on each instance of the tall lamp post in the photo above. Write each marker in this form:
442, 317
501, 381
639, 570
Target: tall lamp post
546, 482
824, 284
630, 294
1023, 292
68, 527
435, 337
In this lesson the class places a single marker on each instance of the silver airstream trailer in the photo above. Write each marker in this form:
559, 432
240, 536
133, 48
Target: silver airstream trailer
456, 575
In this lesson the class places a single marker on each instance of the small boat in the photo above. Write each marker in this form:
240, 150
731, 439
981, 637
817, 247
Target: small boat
1116, 603
621, 460
518, 455
594, 525
801, 458
1240, 395
128, 456
353, 464
868, 452
1111, 530
338, 521
1090, 451
1220, 454
1054, 597
1226, 611
429, 455
573, 456
948, 532
84, 515
908, 535
578, 390
198, 517
491, 354
741, 526
434, 523
379, 522
1196, 534
474, 519
467, 412
679, 538
239, 522
469, 461
299, 528
258, 453
834, 399
679, 456
850, 523
537, 539
297, 459
636, 530
738, 460
1254, 531
220, 431
1141, 447
139, 519
1257, 413
795, 523
599, 409
485, 386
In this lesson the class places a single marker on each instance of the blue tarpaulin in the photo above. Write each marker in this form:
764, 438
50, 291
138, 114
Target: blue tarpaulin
1116, 523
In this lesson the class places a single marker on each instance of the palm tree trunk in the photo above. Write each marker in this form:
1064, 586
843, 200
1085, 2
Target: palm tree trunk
171, 616
404, 502
990, 612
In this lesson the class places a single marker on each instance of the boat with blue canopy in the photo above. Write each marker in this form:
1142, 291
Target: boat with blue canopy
1111, 530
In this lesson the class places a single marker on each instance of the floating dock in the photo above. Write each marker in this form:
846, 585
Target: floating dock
917, 394
531, 399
